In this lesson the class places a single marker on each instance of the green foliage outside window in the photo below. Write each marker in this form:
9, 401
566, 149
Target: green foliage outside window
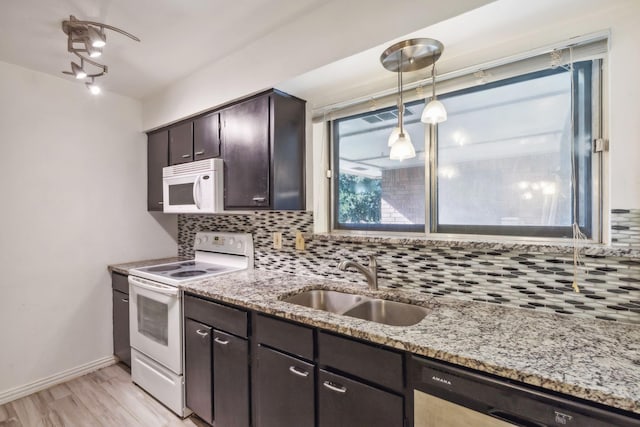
359, 199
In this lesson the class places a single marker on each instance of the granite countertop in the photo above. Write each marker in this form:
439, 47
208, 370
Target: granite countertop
591, 359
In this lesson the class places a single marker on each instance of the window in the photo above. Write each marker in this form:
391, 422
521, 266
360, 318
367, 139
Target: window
374, 192
504, 163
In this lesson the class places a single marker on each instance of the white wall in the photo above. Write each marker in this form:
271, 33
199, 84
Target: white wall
73, 199
332, 31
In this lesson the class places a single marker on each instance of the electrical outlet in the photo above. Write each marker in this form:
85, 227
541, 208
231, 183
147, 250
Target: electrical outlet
277, 240
299, 241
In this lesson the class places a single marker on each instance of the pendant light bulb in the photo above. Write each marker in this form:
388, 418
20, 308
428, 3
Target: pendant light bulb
395, 133
403, 148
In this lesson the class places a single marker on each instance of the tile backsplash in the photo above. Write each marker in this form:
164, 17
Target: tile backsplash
609, 285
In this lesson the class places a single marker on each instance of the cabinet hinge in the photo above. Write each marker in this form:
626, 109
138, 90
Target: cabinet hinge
329, 174
600, 145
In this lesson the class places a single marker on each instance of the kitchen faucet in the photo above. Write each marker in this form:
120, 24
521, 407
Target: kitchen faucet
370, 272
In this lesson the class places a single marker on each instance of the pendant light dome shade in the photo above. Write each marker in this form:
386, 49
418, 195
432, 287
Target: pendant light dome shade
395, 133
403, 148
434, 113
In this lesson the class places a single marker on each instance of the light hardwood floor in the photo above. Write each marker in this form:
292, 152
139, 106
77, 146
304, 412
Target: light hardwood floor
106, 397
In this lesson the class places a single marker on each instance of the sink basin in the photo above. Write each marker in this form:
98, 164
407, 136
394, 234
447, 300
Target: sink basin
320, 299
388, 312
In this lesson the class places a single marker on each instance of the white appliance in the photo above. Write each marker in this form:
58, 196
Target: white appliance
155, 312
195, 187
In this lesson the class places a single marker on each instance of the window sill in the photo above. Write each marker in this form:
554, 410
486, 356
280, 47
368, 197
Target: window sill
476, 243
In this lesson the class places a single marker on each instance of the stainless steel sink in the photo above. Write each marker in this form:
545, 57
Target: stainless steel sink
373, 309
388, 312
320, 299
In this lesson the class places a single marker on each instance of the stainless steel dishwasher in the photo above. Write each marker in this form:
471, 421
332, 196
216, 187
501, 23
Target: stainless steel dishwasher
447, 396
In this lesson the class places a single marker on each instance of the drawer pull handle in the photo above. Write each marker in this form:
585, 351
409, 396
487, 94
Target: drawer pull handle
186, 156
219, 341
125, 300
259, 199
337, 388
298, 372
161, 203
202, 333
199, 153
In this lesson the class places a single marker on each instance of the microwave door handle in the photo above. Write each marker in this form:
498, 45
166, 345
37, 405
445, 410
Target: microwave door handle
196, 192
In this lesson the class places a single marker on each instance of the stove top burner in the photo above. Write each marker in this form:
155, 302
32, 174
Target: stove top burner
163, 268
189, 273
188, 264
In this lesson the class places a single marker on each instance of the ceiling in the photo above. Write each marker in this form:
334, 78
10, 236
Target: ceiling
177, 37
180, 37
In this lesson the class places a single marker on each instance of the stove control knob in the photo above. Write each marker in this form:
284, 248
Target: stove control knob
239, 245
231, 241
198, 241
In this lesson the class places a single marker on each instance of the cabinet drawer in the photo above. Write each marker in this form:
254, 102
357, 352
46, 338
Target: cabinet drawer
344, 402
120, 282
285, 336
219, 316
369, 362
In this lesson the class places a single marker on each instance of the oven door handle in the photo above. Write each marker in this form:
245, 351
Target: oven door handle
165, 290
196, 191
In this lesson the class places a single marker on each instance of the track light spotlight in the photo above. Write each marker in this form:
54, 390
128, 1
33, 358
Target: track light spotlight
78, 71
96, 37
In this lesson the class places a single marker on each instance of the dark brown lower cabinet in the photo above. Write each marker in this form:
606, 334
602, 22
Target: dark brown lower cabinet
346, 403
230, 380
121, 344
285, 388
198, 354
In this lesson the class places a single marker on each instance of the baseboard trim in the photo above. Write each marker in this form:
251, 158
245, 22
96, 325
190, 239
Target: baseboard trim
27, 389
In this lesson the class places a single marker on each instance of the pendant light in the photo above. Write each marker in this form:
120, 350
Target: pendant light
434, 112
407, 55
401, 148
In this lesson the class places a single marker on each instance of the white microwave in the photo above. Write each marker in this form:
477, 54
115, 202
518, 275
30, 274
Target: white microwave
194, 187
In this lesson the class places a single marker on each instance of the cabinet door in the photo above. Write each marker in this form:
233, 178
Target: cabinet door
181, 143
121, 344
198, 369
347, 403
284, 390
246, 153
206, 137
230, 380
157, 158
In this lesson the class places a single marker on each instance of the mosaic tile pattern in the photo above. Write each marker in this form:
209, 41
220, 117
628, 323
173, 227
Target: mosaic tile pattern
625, 228
609, 286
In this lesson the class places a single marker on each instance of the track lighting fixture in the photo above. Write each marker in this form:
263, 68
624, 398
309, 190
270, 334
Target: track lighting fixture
407, 55
85, 39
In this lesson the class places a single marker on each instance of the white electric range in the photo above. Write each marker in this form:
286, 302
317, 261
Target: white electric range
155, 311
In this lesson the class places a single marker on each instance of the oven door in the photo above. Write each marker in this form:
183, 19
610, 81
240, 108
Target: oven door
155, 322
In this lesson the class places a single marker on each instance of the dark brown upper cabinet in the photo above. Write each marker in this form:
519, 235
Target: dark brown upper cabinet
206, 137
263, 143
157, 158
181, 143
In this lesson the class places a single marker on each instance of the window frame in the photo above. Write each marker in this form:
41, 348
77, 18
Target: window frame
595, 225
